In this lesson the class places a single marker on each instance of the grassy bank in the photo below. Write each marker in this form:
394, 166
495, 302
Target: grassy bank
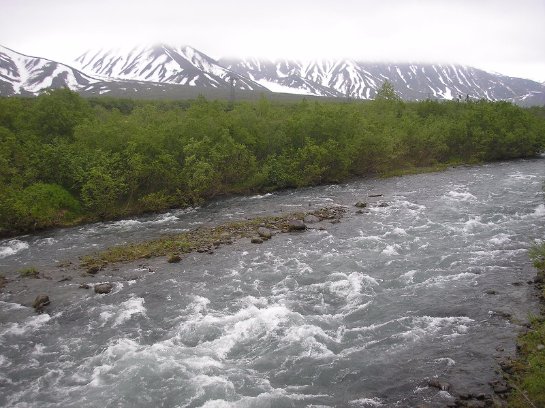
65, 160
529, 377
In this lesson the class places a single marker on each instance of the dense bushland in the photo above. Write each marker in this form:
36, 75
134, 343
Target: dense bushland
65, 159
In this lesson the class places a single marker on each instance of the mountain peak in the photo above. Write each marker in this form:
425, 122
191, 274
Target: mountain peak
161, 63
23, 74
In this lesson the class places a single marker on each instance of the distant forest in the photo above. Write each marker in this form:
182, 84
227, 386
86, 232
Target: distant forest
66, 160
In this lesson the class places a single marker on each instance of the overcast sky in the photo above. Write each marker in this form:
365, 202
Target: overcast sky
504, 36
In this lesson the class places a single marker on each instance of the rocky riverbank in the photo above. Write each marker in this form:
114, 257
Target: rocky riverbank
526, 375
49, 287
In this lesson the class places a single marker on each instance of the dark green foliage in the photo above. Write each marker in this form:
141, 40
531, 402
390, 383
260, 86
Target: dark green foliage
64, 158
387, 92
37, 206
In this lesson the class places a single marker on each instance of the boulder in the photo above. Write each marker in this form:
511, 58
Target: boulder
40, 302
93, 270
256, 240
311, 219
442, 385
500, 387
264, 232
361, 204
296, 225
175, 258
103, 288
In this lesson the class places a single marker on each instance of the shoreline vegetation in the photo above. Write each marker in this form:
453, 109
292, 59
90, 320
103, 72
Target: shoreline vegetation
66, 160
207, 239
527, 373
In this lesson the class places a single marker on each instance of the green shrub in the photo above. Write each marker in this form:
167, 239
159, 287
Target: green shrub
30, 272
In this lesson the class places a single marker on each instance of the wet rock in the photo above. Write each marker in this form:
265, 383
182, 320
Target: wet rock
65, 278
540, 278
517, 284
475, 404
40, 302
490, 292
507, 366
93, 270
359, 212
375, 195
361, 204
383, 204
296, 225
264, 232
175, 258
503, 314
256, 240
472, 400
335, 221
311, 219
439, 384
499, 387
84, 286
103, 288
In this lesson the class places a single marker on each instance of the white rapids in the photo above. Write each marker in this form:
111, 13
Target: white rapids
359, 315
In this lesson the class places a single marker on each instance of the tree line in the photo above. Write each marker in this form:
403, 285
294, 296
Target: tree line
65, 159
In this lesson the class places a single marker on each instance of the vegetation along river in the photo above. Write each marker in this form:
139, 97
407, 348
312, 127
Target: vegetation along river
430, 282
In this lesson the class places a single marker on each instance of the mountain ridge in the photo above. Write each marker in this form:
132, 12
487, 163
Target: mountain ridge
181, 71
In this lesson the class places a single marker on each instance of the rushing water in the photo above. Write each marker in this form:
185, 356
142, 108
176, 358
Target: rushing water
358, 315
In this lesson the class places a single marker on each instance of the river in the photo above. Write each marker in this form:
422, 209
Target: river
433, 284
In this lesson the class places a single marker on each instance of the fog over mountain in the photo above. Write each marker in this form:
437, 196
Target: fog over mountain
163, 70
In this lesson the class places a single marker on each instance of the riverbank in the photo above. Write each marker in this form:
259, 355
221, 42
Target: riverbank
66, 159
92, 218
528, 371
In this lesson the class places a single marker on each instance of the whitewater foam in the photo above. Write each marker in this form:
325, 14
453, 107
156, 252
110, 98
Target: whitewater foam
119, 314
12, 247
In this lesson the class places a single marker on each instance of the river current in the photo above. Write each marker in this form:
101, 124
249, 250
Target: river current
362, 314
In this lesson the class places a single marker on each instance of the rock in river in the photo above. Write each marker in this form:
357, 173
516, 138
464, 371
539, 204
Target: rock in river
103, 288
40, 302
311, 219
264, 232
296, 225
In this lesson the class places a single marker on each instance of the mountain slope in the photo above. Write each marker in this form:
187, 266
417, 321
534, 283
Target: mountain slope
162, 64
361, 80
22, 74
184, 72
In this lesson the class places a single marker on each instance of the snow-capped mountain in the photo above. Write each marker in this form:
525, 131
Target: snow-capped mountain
162, 64
163, 71
359, 80
22, 74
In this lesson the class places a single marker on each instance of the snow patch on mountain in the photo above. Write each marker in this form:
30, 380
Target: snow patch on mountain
21, 73
162, 63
